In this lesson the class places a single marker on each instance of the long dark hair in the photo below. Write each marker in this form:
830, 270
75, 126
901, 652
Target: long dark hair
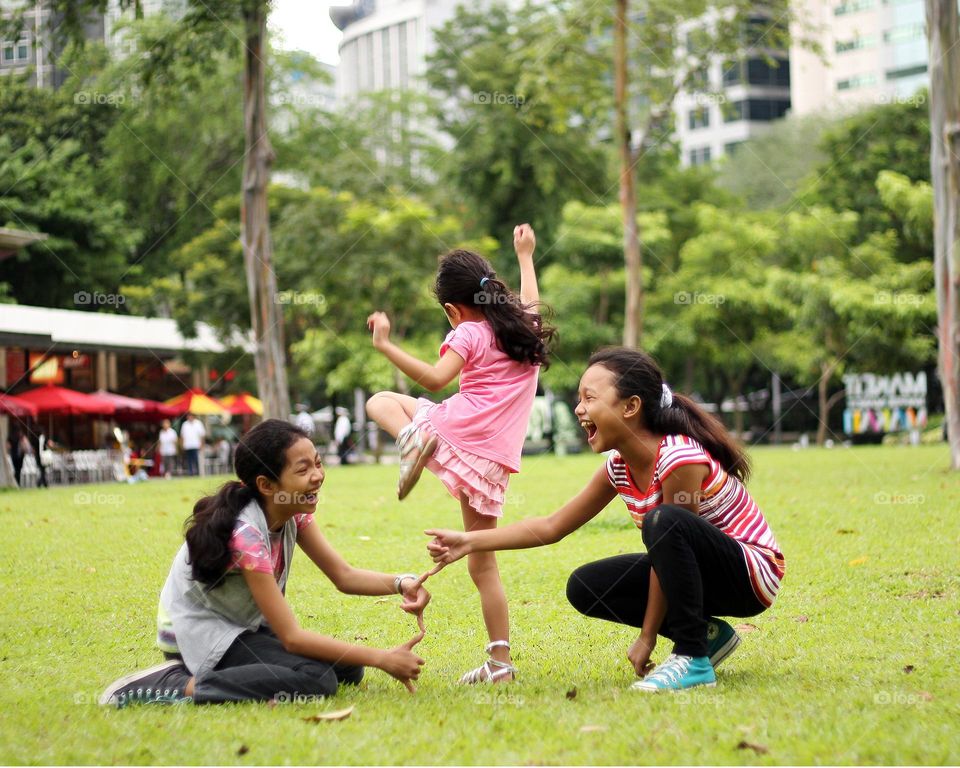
465, 277
262, 451
636, 373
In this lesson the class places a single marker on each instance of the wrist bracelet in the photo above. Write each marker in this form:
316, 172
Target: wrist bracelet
399, 580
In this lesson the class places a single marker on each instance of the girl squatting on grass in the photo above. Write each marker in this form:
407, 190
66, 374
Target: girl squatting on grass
223, 619
709, 550
472, 440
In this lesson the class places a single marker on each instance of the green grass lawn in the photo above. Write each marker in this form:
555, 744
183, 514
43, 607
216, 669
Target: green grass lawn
855, 663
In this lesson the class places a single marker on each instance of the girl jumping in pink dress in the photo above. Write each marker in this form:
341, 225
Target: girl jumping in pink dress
472, 440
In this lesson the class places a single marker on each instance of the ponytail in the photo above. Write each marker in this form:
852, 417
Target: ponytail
467, 278
260, 452
668, 413
210, 528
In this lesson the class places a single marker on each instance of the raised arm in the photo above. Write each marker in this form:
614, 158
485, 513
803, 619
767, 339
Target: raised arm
431, 377
524, 243
448, 546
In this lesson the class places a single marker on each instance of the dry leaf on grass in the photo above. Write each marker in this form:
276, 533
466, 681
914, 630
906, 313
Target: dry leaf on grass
908, 669
243, 749
758, 748
328, 717
572, 693
859, 560
801, 619
746, 629
593, 728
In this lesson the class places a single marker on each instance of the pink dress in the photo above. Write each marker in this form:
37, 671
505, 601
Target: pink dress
480, 430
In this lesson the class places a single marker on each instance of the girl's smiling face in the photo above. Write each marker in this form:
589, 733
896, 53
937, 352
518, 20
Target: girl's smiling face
301, 478
602, 412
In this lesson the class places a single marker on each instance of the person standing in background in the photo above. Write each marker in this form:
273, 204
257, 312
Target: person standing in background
342, 430
192, 434
167, 442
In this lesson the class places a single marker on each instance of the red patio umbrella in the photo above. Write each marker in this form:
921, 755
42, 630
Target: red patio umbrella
134, 408
17, 407
60, 401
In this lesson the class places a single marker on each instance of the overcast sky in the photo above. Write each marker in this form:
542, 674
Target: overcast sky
305, 25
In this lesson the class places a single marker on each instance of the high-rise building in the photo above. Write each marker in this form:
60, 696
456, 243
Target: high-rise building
37, 49
114, 34
386, 42
734, 99
874, 51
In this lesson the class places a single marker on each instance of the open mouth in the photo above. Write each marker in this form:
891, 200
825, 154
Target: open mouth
311, 498
590, 428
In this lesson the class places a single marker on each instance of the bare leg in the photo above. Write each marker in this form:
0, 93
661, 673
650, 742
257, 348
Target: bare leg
486, 576
392, 411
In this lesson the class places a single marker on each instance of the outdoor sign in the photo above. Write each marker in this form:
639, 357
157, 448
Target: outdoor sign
888, 403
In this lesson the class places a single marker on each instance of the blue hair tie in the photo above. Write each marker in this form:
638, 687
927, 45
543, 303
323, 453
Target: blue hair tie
484, 281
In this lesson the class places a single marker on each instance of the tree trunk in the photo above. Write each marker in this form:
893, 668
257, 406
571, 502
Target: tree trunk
633, 319
266, 316
944, 57
824, 402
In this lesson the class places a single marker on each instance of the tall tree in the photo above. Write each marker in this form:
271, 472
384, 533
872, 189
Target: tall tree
943, 29
246, 19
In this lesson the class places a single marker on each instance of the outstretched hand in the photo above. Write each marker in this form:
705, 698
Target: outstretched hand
447, 546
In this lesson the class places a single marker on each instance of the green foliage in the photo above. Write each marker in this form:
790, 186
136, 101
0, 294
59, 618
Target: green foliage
516, 157
892, 137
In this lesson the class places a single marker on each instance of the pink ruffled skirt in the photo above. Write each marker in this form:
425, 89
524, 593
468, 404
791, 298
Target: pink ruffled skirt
482, 481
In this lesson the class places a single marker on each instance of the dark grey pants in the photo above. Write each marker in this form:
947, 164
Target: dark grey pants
258, 668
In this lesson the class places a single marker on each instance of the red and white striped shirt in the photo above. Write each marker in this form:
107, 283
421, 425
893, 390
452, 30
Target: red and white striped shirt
724, 503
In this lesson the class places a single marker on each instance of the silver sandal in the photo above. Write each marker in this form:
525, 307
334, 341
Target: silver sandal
491, 671
410, 439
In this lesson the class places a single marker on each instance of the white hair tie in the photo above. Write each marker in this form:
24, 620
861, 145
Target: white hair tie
666, 399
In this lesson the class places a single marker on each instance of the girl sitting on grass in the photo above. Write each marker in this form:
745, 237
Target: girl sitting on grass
472, 440
224, 622
709, 550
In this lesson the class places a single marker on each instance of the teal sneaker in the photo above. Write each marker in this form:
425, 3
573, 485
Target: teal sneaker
162, 684
678, 673
722, 640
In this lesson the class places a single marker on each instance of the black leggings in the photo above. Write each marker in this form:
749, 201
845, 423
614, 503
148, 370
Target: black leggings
702, 573
256, 667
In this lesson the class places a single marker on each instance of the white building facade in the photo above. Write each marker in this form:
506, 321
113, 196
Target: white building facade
875, 51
